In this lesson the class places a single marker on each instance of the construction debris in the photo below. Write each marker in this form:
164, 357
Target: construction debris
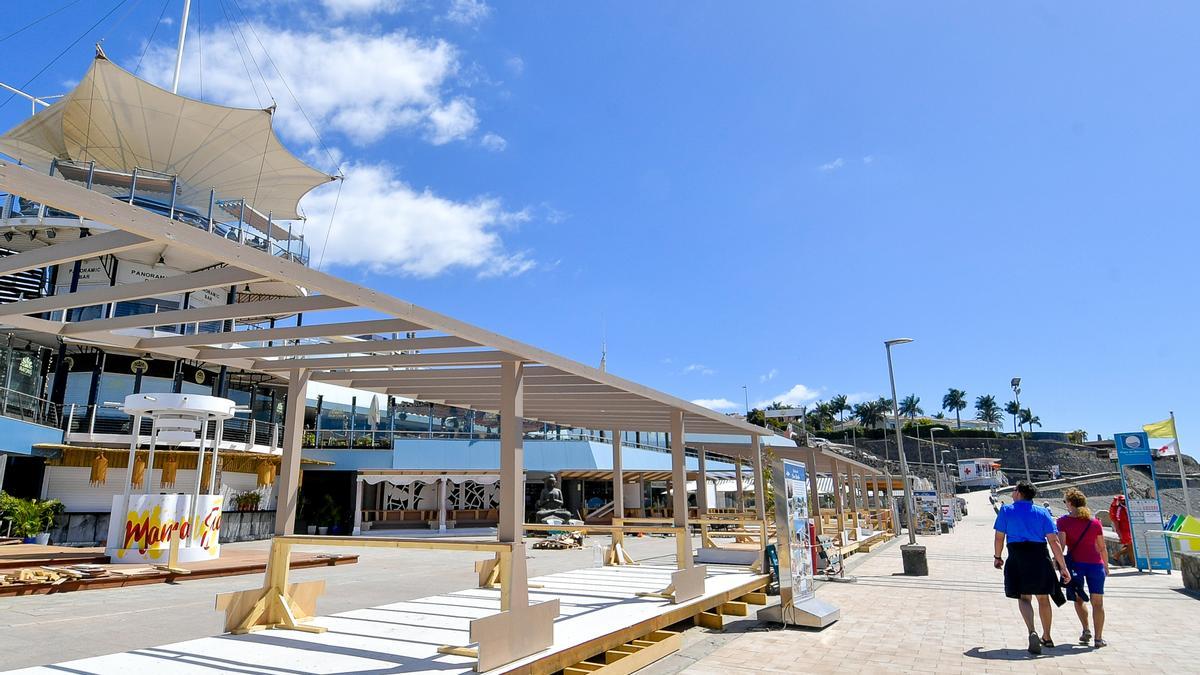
561, 541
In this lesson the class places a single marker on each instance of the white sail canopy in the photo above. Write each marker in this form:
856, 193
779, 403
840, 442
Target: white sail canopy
122, 122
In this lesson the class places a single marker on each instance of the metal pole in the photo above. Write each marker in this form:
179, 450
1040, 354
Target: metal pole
908, 491
1024, 451
183, 22
937, 480
1187, 499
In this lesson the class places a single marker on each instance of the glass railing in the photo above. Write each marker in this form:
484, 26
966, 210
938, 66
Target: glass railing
28, 408
211, 217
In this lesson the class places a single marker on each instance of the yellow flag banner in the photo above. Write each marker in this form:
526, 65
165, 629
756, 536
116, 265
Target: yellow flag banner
1163, 429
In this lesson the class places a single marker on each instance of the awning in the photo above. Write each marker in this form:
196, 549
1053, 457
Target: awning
124, 123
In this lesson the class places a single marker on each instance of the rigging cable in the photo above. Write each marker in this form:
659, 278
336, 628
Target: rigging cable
336, 199
333, 161
250, 52
200, 48
232, 34
153, 32
66, 49
35, 22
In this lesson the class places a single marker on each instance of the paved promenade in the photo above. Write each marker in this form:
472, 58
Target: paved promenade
957, 620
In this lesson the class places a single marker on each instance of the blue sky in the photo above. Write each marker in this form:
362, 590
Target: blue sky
746, 193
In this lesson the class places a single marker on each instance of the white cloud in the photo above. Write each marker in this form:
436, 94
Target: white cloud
410, 232
718, 404
833, 166
468, 12
516, 65
869, 160
360, 84
339, 9
698, 368
768, 376
795, 397
860, 397
494, 142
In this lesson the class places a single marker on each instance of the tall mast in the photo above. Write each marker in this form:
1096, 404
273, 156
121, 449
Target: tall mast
187, 6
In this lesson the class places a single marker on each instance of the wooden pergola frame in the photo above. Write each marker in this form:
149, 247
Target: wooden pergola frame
451, 362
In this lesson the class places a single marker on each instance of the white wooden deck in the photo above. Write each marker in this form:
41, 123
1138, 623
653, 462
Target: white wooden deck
403, 637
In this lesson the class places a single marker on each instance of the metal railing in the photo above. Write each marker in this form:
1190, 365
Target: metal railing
88, 175
385, 439
101, 420
29, 408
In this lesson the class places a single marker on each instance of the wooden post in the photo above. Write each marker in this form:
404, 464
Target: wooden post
839, 502
814, 497
679, 505
737, 474
287, 503
618, 500
855, 499
760, 483
702, 494
512, 452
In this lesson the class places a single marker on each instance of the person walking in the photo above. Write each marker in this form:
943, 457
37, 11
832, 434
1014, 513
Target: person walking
1031, 535
1119, 514
1087, 559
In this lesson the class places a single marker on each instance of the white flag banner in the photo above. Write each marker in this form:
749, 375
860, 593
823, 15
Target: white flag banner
373, 412
1168, 450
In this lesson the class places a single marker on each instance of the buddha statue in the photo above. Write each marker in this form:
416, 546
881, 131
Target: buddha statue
550, 502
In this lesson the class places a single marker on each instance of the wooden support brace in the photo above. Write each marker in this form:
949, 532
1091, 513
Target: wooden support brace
754, 598
734, 608
710, 620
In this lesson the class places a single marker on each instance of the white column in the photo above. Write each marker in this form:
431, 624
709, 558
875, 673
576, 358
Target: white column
133, 445
293, 438
218, 434
512, 452
702, 486
149, 478
618, 478
358, 506
441, 496
760, 484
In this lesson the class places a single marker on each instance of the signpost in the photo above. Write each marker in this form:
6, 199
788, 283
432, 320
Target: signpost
1150, 551
798, 604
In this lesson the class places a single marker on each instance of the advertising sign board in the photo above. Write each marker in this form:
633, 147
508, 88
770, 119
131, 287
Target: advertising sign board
1134, 457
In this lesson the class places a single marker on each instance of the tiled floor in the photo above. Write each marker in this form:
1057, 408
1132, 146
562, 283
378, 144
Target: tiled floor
957, 620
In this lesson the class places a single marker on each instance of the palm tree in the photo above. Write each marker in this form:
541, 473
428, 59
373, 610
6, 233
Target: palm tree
956, 400
1015, 410
910, 407
988, 410
870, 413
1029, 419
839, 405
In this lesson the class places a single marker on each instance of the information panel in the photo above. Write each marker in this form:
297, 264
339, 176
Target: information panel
800, 541
1145, 510
927, 511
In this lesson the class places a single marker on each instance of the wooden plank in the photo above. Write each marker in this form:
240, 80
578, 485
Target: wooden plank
241, 310
320, 330
709, 620
735, 608
96, 245
182, 283
753, 598
348, 347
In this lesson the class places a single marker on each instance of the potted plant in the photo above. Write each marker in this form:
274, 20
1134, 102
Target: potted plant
31, 519
248, 501
327, 514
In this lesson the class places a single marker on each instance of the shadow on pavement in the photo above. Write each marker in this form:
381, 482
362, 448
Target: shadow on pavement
1014, 654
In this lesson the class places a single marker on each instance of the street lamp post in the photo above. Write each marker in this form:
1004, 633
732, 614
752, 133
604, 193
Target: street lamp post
915, 563
1016, 387
937, 476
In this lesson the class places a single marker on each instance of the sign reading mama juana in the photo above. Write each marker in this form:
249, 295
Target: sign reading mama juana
142, 534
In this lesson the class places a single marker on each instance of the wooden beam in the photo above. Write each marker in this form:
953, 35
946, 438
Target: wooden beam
113, 241
240, 310
97, 206
326, 330
351, 347
210, 278
398, 360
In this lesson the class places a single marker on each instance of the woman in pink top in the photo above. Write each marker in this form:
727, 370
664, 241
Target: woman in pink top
1083, 537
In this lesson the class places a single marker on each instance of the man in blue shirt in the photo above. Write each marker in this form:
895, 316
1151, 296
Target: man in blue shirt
1028, 572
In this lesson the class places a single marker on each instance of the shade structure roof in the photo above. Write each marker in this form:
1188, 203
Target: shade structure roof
124, 123
445, 360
